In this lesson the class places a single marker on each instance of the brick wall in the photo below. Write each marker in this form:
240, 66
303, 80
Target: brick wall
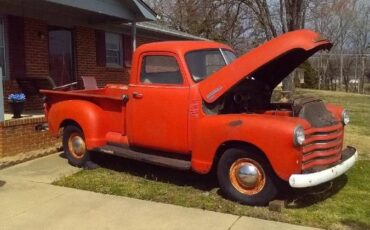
36, 47
19, 136
85, 59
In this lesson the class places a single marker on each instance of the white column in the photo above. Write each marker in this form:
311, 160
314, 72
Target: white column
1, 96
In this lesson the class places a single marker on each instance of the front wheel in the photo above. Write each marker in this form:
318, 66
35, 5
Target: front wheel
246, 177
74, 146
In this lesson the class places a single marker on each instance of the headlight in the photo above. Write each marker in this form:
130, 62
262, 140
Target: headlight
345, 117
299, 137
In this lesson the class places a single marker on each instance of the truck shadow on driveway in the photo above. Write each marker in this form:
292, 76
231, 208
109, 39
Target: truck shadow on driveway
157, 173
296, 198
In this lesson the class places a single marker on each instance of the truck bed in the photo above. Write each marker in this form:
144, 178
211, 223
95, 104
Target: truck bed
109, 92
106, 102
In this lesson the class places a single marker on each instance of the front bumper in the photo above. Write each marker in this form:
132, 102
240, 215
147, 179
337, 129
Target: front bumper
349, 157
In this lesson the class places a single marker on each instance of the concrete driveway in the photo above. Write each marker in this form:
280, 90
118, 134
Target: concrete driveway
29, 201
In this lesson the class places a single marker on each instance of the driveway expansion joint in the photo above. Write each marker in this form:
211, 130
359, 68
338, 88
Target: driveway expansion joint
238, 218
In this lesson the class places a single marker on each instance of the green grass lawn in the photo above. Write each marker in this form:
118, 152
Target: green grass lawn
343, 203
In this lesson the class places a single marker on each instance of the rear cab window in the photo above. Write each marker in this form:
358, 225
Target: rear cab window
203, 63
160, 69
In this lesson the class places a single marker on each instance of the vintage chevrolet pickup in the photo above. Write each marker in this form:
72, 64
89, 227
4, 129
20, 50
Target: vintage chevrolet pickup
192, 105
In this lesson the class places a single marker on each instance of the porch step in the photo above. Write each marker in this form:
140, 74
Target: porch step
151, 158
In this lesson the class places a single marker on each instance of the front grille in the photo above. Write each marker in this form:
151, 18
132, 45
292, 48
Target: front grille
322, 147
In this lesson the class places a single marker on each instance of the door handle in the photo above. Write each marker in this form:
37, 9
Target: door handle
137, 95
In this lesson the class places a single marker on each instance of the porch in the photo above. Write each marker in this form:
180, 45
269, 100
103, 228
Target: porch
25, 115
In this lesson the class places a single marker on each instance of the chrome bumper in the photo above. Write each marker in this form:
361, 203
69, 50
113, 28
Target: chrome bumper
313, 179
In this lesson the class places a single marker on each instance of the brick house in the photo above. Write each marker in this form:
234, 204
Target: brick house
65, 40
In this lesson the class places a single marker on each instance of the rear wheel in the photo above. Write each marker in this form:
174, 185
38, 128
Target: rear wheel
74, 146
246, 177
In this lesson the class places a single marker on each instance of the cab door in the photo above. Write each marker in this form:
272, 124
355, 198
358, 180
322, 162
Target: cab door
158, 105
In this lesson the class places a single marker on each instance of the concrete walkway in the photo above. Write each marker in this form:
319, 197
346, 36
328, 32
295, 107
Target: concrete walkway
29, 201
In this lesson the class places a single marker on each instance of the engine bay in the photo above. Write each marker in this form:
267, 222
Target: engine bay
249, 96
254, 97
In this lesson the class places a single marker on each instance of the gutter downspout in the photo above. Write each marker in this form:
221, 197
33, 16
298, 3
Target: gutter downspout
133, 35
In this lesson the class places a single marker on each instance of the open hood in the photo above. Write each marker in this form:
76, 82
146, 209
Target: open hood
270, 62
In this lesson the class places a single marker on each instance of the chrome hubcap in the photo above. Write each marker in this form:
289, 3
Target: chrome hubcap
247, 175
77, 145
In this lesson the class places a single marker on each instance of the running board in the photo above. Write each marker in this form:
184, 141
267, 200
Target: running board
128, 153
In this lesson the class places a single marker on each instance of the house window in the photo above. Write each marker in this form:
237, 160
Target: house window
2, 48
113, 50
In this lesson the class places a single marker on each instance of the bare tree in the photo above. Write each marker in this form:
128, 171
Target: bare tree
261, 10
291, 17
347, 24
226, 21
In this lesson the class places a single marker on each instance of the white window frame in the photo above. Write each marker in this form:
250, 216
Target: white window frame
118, 64
5, 47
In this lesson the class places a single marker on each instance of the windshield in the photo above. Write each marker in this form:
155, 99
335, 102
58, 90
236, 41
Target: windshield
202, 63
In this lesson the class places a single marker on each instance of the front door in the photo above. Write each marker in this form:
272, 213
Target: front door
158, 106
61, 56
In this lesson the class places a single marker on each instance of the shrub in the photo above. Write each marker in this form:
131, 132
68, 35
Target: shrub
310, 76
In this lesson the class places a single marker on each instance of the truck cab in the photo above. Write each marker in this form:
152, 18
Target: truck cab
164, 87
194, 105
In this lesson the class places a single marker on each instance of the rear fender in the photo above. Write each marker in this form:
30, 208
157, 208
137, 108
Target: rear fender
87, 115
270, 134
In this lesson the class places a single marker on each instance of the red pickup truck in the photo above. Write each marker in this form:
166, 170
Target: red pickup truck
193, 105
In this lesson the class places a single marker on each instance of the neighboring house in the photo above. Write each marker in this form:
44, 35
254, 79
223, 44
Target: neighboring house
67, 39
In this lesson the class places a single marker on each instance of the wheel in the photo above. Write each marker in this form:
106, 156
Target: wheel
74, 146
246, 176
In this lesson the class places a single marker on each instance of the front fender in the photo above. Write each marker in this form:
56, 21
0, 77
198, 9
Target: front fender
273, 135
335, 110
87, 115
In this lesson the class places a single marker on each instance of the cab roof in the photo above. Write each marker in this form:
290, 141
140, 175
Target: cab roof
180, 47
